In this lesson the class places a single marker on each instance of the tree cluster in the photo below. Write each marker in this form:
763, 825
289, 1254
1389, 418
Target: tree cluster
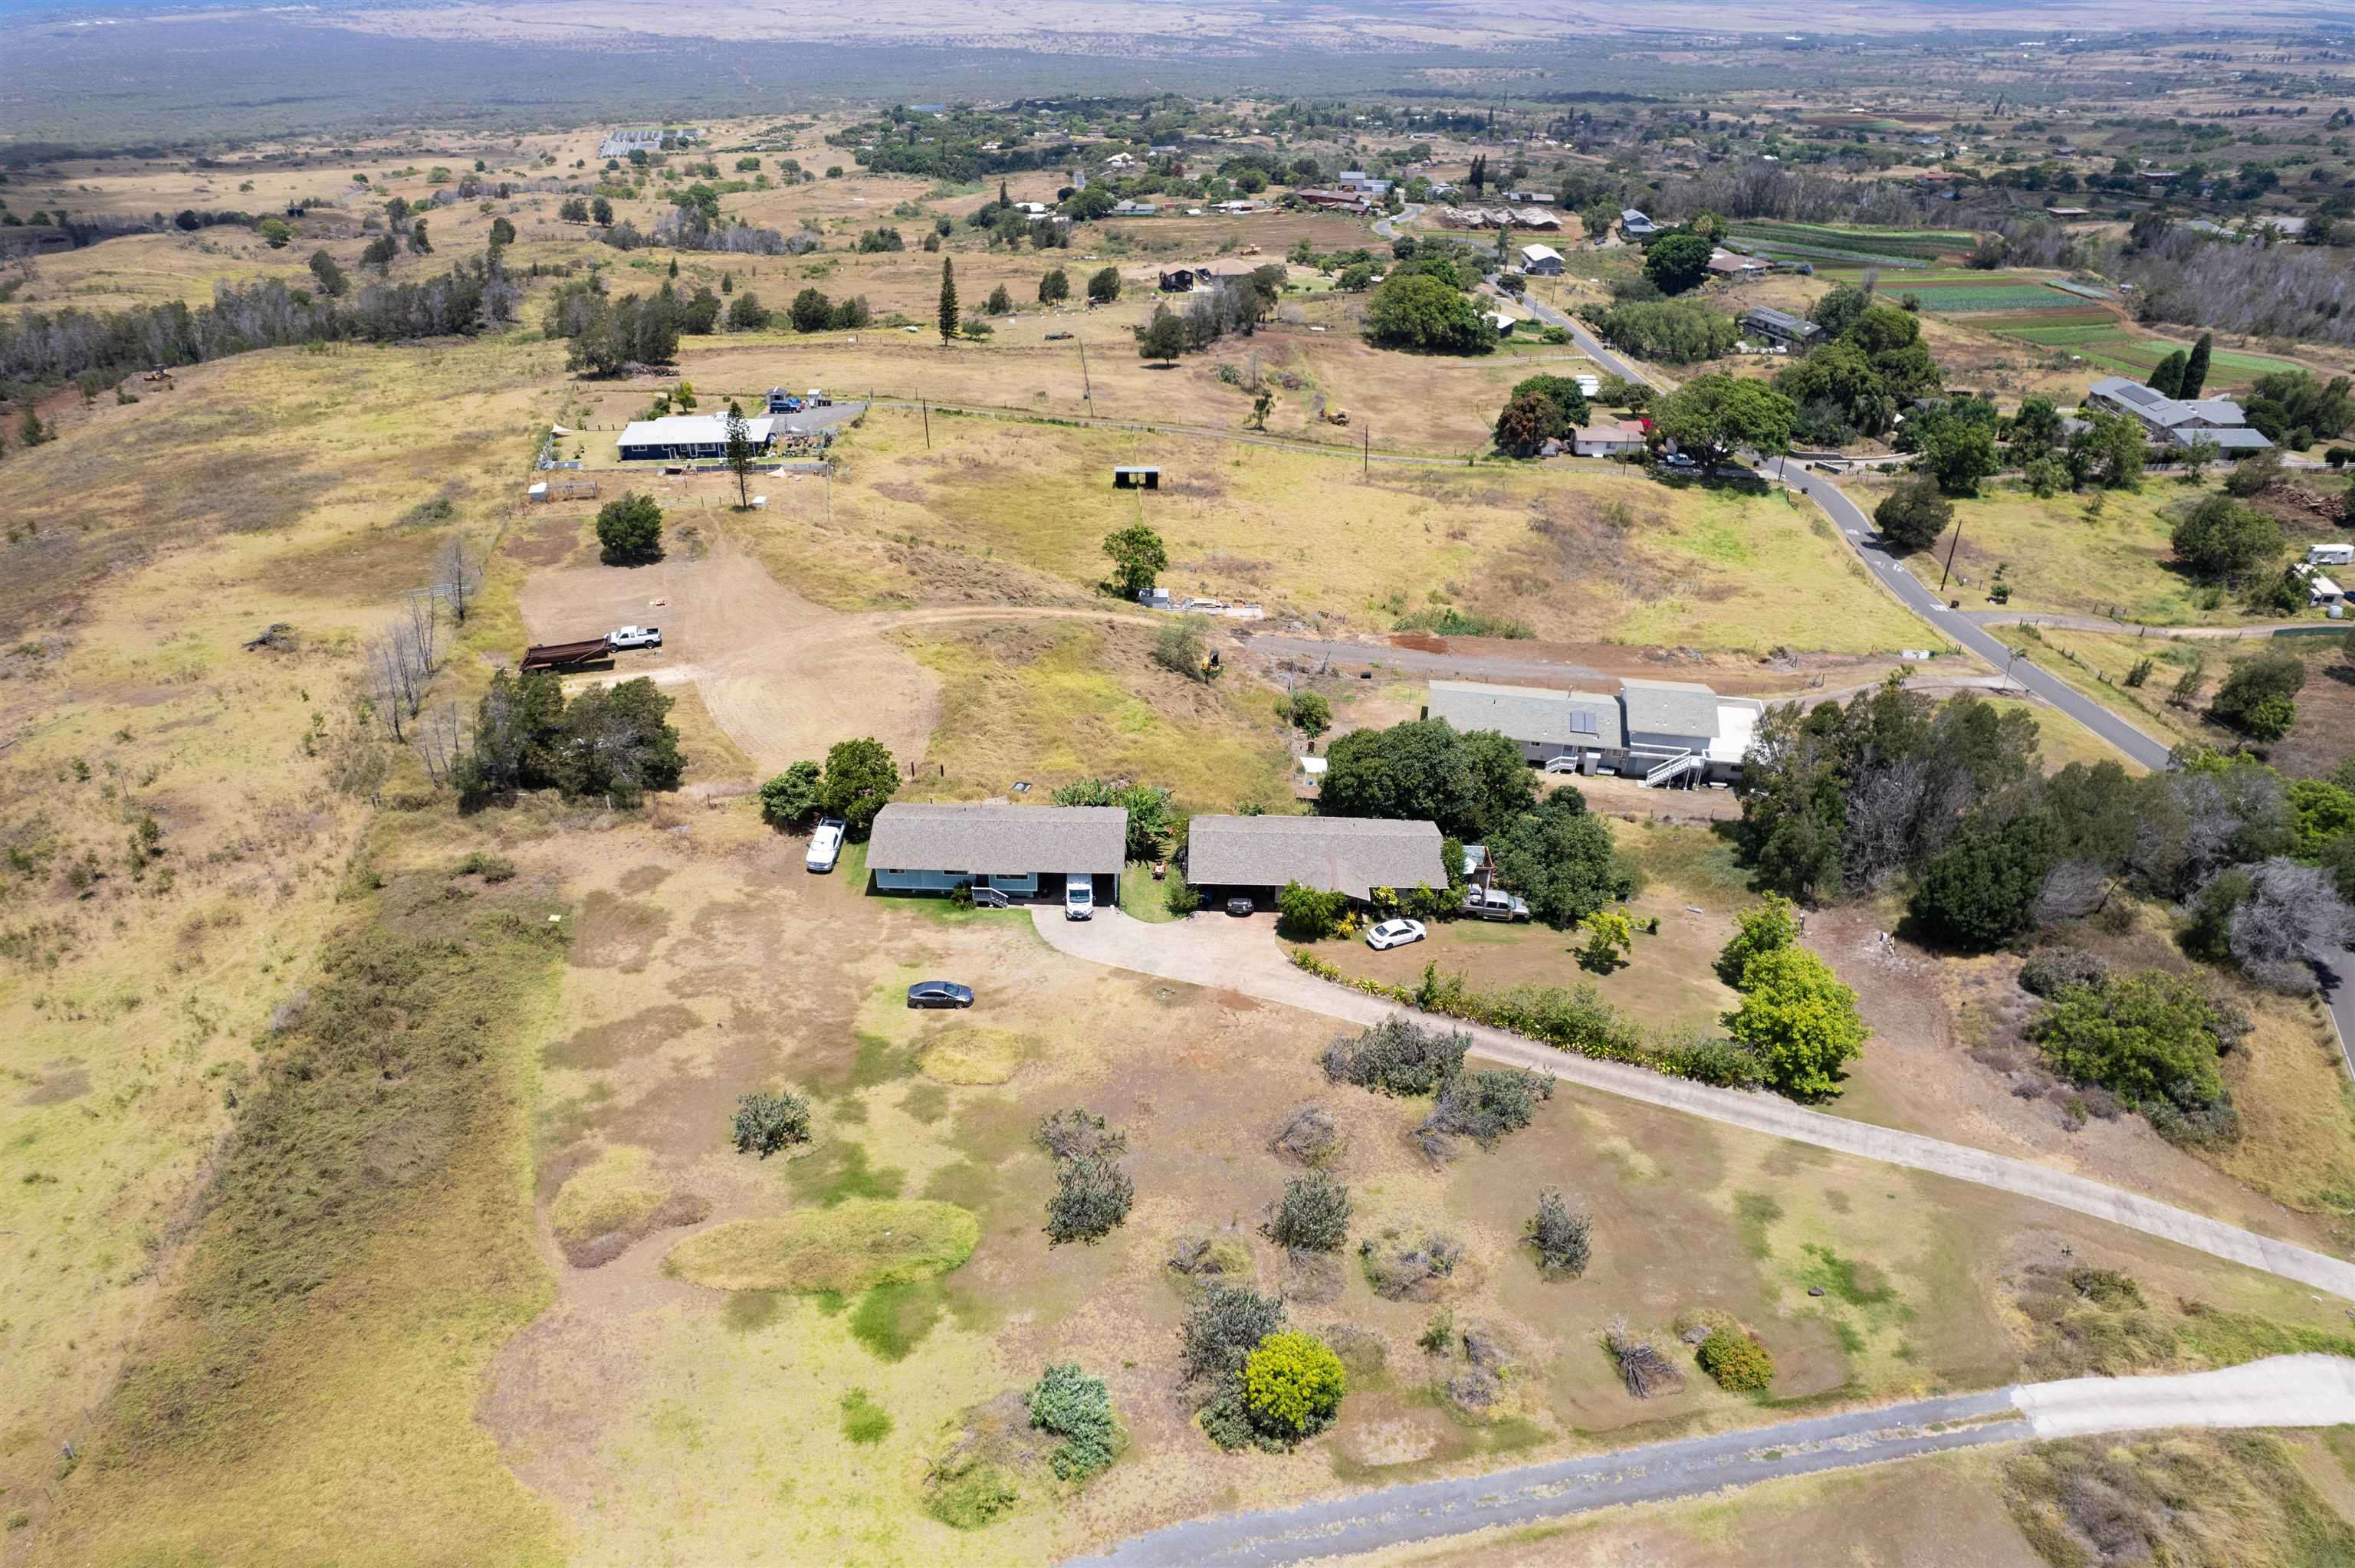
1537, 409
1854, 383
614, 742
1470, 784
1669, 331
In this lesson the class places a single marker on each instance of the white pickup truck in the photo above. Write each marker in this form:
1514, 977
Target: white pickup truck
622, 637
1494, 903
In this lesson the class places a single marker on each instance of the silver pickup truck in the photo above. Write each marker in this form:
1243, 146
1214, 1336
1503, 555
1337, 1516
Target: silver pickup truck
622, 637
1494, 903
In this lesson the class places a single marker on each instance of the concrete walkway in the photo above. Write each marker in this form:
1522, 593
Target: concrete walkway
2286, 1391
1224, 954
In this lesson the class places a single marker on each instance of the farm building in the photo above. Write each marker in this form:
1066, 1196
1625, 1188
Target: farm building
1546, 723
1727, 264
679, 437
1635, 226
1023, 851
1779, 326
1255, 857
1541, 260
2177, 421
1663, 732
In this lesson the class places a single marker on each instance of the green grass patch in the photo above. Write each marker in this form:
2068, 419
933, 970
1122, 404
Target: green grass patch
837, 1171
853, 1246
863, 1422
973, 1056
1141, 897
1755, 1213
891, 1320
1846, 1279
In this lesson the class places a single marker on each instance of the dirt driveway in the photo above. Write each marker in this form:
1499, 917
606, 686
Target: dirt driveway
783, 677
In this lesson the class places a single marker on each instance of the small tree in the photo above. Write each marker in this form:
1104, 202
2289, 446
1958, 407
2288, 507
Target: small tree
746, 313
2256, 698
1312, 715
332, 281
1610, 937
948, 310
739, 454
1293, 1384
629, 529
860, 777
457, 577
790, 799
1561, 1236
1103, 288
1164, 338
1001, 303
1799, 1019
1055, 286
1766, 926
1138, 558
1313, 1216
1222, 1328
766, 1122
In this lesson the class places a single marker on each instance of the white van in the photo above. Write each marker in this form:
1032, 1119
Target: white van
1079, 897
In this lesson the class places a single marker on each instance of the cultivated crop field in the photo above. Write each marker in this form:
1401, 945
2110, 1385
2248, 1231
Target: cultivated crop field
2098, 337
1977, 292
1883, 246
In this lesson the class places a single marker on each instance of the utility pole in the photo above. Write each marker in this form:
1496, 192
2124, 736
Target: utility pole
1956, 545
925, 410
1366, 452
1087, 387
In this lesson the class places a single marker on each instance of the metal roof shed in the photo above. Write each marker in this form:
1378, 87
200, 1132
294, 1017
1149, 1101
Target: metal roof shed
1130, 478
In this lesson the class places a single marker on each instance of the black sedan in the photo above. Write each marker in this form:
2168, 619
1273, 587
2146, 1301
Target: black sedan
940, 993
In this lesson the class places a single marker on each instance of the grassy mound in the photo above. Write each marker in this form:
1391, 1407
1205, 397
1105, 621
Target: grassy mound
849, 1247
973, 1055
618, 1191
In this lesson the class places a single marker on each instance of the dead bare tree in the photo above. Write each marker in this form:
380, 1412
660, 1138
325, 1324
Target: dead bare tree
423, 626
457, 577
441, 742
391, 686
2073, 890
1644, 1370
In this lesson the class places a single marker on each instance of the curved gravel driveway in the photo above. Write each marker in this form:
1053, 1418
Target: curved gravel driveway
1240, 955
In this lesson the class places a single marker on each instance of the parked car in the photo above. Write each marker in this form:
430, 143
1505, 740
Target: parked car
1079, 897
940, 993
1494, 903
1395, 933
1679, 461
825, 844
1058, 337
622, 637
1238, 905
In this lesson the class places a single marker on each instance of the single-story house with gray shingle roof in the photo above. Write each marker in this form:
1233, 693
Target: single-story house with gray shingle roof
1545, 723
1023, 851
1257, 856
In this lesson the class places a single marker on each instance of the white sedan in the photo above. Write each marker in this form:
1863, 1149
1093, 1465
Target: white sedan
1395, 933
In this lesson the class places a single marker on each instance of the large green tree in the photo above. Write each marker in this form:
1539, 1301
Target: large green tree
1419, 312
2227, 541
2195, 367
1560, 858
1676, 262
629, 528
1424, 768
948, 310
1981, 891
1912, 516
1138, 558
1710, 416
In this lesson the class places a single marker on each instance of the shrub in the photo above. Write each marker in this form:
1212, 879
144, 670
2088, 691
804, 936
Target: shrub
1183, 647
1483, 1106
863, 1420
1078, 1409
1222, 1328
2049, 971
2255, 698
1076, 1134
968, 1493
1768, 926
1709, 1059
1092, 1196
1177, 895
765, 1122
1738, 1364
2149, 1038
1305, 914
1438, 1336
1403, 1267
490, 867
1397, 1056
1313, 1216
1559, 1234
790, 799
1293, 1384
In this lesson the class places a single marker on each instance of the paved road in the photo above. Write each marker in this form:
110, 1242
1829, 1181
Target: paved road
1586, 341
1386, 226
1222, 954
2286, 1391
